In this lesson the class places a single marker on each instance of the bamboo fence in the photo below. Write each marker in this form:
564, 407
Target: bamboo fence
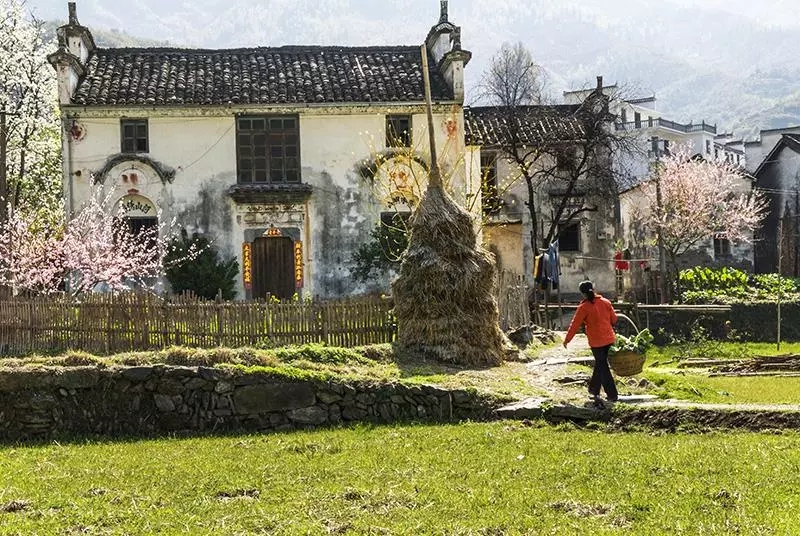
106, 323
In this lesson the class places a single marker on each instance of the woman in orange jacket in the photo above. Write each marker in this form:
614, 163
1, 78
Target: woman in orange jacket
597, 314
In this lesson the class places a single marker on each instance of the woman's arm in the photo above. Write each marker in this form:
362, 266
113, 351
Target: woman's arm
577, 322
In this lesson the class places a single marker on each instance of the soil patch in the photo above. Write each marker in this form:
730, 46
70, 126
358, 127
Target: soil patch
675, 419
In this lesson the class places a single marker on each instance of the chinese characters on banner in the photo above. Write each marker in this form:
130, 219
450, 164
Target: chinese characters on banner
247, 265
298, 264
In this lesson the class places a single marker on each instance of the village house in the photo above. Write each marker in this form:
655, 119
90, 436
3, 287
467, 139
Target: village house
273, 153
638, 276
552, 141
778, 177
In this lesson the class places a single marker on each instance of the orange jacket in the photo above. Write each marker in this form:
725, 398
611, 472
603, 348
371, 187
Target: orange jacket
599, 318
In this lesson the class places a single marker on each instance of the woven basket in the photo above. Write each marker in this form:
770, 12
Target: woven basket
626, 363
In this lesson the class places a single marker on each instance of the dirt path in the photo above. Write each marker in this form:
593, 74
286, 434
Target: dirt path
566, 398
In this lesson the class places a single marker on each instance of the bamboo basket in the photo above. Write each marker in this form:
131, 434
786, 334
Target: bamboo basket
626, 363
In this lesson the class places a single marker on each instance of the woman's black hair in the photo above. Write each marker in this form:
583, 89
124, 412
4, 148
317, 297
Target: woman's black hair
587, 289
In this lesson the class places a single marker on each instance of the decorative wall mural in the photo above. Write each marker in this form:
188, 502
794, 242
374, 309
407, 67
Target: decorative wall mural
401, 179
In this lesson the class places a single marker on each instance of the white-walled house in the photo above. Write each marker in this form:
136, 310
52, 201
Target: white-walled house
778, 176
262, 149
657, 136
553, 136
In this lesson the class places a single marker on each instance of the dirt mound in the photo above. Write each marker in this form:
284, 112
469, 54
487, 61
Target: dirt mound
700, 419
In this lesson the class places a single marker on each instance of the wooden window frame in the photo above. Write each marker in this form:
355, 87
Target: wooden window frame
268, 149
401, 139
491, 202
722, 247
130, 144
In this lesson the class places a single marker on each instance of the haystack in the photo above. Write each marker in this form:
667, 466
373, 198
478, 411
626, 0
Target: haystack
445, 302
444, 296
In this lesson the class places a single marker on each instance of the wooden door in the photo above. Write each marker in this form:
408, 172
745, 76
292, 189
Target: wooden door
273, 268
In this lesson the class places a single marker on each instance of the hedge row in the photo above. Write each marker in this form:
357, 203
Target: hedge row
755, 322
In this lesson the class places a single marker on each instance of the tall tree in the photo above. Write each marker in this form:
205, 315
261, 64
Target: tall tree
567, 154
28, 96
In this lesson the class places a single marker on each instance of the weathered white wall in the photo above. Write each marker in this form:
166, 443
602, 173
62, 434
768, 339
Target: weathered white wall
510, 231
200, 145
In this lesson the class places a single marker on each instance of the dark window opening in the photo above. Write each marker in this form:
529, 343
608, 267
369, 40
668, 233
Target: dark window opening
398, 131
722, 247
624, 116
268, 149
569, 237
492, 203
144, 231
565, 161
708, 146
637, 120
134, 136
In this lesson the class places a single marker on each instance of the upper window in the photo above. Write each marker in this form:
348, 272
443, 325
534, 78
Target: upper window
569, 236
268, 149
637, 119
491, 192
398, 131
566, 160
134, 136
708, 146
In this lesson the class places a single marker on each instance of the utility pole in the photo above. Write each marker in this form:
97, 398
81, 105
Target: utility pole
662, 261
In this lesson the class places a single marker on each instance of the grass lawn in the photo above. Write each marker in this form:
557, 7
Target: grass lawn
726, 389
499, 478
693, 384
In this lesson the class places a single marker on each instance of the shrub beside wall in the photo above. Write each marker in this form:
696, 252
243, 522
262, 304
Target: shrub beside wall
759, 321
755, 322
46, 403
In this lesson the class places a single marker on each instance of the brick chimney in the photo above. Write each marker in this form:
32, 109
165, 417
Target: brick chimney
75, 45
444, 48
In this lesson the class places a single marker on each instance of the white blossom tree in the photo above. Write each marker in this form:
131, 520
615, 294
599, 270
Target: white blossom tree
28, 96
699, 198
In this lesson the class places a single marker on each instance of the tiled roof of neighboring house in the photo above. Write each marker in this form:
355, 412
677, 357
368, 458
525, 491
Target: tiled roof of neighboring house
491, 125
284, 75
641, 100
787, 140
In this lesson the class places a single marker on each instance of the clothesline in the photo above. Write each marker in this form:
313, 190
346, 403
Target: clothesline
613, 260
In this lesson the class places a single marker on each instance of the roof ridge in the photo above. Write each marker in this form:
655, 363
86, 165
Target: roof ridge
282, 48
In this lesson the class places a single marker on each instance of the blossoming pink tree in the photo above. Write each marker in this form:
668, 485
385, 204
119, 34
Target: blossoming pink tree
699, 198
95, 248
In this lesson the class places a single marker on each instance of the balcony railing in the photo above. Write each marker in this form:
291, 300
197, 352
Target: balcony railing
666, 123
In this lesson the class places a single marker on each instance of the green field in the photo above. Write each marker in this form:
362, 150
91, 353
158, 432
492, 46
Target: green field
499, 478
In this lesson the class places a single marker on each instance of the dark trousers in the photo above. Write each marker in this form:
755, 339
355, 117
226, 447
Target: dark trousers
602, 374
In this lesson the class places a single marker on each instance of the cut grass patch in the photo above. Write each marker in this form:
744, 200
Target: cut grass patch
499, 478
727, 389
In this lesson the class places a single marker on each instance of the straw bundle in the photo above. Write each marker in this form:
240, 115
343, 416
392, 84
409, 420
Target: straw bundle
444, 296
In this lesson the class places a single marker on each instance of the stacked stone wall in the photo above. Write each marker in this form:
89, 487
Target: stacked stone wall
45, 403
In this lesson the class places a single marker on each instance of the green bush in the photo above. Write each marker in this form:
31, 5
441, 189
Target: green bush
702, 285
204, 274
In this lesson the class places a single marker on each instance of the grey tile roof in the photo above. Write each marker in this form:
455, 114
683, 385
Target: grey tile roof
491, 125
284, 75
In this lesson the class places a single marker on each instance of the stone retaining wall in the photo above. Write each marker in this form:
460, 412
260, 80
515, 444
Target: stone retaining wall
44, 403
